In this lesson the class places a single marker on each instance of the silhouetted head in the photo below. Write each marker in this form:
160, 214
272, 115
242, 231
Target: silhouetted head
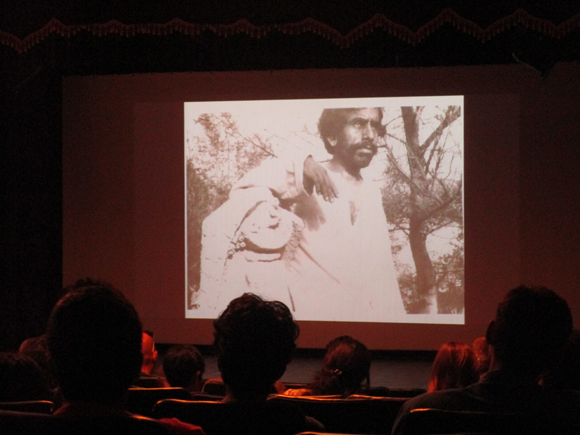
254, 340
22, 379
455, 366
94, 339
530, 330
183, 366
36, 348
346, 366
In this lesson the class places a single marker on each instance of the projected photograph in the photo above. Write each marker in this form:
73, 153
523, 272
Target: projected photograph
346, 210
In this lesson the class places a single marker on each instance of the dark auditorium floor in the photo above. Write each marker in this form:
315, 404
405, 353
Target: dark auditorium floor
394, 372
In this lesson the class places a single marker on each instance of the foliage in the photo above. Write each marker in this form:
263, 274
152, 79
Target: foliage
215, 160
450, 279
423, 196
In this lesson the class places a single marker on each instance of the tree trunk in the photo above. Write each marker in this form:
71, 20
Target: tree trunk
423, 264
417, 232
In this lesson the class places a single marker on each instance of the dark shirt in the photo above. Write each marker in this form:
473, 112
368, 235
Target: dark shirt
245, 418
497, 391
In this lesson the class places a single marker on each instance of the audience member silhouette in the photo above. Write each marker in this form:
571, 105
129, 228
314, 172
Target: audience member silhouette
22, 379
345, 369
455, 366
254, 340
481, 350
147, 379
37, 349
149, 352
530, 330
183, 366
94, 339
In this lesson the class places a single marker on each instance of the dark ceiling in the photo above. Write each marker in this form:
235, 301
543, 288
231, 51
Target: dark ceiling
177, 35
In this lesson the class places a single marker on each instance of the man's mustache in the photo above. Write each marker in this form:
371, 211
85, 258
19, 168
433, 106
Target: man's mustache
368, 146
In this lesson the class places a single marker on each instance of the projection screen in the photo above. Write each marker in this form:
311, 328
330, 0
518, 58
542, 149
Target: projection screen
387, 246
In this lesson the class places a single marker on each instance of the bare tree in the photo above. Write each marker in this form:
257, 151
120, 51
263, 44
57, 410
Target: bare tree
423, 195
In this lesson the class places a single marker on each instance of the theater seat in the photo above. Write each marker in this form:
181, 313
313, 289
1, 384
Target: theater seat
392, 392
357, 414
28, 423
334, 433
324, 433
40, 406
206, 397
141, 400
436, 421
239, 418
215, 387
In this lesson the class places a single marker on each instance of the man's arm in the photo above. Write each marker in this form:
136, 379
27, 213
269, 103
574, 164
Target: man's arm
316, 176
289, 179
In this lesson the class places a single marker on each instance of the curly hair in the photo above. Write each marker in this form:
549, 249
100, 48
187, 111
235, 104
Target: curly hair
331, 123
254, 340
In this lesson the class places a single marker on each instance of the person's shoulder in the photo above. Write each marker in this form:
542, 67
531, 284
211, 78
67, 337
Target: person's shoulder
297, 392
435, 399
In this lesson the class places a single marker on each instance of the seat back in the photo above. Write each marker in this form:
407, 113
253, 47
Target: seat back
437, 421
296, 385
40, 406
141, 400
206, 397
29, 423
190, 411
392, 392
215, 387
355, 414
219, 418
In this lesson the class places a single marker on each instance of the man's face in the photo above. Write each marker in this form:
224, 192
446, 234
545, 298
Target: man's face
356, 144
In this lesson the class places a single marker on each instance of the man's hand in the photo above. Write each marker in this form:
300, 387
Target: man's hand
315, 176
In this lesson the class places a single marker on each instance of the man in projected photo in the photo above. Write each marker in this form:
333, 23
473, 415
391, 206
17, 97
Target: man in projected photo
313, 235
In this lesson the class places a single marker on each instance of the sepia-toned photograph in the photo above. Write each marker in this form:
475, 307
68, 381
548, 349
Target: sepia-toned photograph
346, 210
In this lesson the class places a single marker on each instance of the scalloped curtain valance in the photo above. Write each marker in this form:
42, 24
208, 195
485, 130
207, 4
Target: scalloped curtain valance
519, 18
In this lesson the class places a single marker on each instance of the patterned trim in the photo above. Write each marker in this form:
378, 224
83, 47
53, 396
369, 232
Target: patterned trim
309, 25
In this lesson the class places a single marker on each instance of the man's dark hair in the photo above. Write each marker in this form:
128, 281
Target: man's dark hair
255, 340
332, 121
181, 365
94, 339
531, 327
